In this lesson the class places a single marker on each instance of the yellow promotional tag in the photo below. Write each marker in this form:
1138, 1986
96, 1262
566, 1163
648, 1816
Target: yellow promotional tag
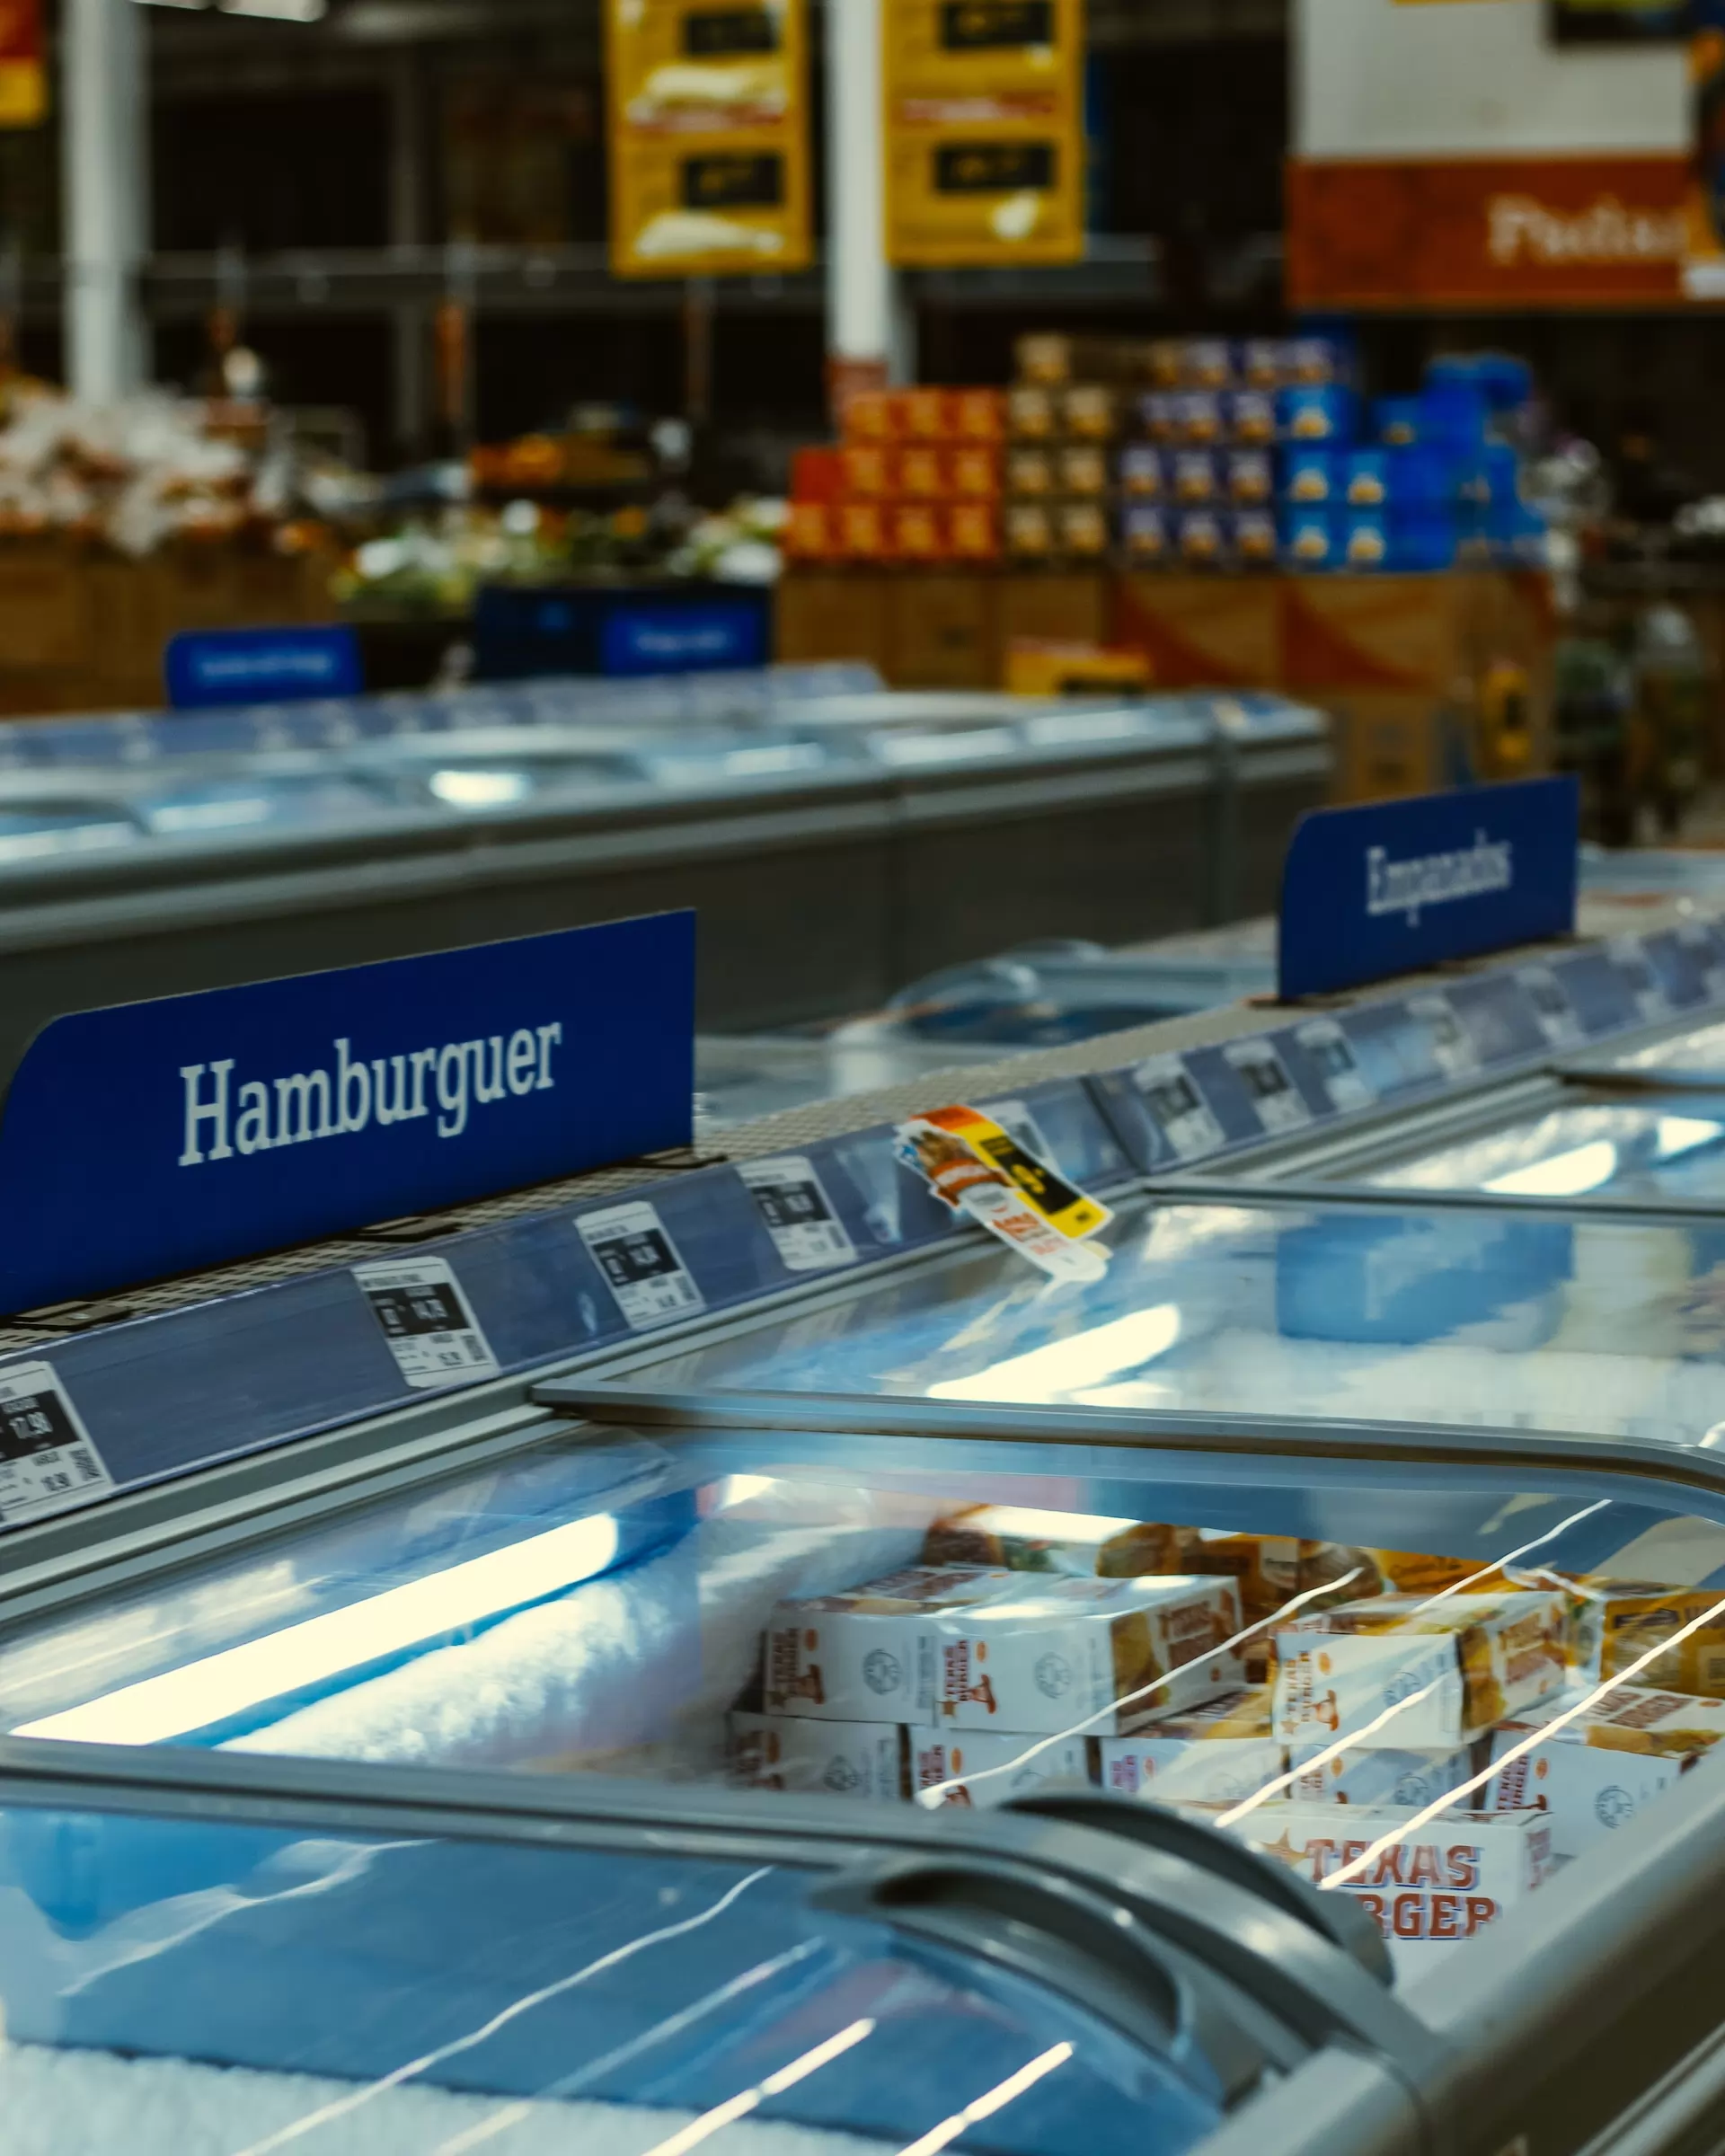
959, 1149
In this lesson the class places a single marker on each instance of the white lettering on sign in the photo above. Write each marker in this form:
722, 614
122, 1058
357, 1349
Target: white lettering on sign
1520, 228
1405, 887
225, 1117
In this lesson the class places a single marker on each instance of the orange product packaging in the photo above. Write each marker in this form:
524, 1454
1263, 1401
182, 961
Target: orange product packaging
916, 531
974, 473
922, 471
862, 535
866, 468
817, 475
923, 415
979, 415
973, 530
868, 416
809, 531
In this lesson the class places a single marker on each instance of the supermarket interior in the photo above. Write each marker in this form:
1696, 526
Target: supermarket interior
956, 769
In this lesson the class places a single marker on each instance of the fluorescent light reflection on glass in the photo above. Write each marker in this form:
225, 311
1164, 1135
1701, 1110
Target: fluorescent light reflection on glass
750, 2099
1564, 1175
1072, 1366
240, 1679
1682, 1133
984, 2107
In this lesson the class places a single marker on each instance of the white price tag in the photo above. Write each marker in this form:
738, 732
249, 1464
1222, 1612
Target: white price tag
47, 1460
1451, 1043
792, 1200
1273, 1092
1639, 978
1177, 1107
1332, 1054
1016, 1118
427, 1320
1551, 1005
641, 1268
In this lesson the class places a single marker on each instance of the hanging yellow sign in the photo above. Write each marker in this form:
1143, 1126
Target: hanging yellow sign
709, 136
985, 131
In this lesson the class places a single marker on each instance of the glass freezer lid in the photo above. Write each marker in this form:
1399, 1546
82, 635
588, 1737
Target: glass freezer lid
1286, 1309
1625, 1151
181, 1979
31, 832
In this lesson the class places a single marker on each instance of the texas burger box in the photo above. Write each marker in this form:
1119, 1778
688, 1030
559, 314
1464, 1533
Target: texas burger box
1018, 1539
1428, 1887
991, 1767
1397, 1673
1221, 1750
982, 1647
861, 1760
1595, 1765
1618, 1622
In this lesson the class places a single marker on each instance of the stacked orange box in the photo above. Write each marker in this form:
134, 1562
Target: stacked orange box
916, 479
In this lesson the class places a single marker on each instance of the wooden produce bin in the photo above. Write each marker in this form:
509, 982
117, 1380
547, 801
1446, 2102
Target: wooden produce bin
1203, 633
936, 628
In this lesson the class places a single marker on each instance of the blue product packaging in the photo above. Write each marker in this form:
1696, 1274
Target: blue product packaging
1251, 478
1250, 417
1197, 419
1310, 539
1366, 479
1254, 538
1422, 540
1396, 421
1207, 363
1310, 477
1506, 382
1203, 540
1454, 412
1143, 535
1262, 363
1158, 415
1321, 412
1320, 361
1365, 539
1197, 481
1141, 473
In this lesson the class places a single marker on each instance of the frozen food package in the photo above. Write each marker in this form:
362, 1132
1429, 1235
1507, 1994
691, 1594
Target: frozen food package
861, 1760
1598, 1762
1427, 1887
989, 1767
1618, 1623
1271, 1570
1368, 1776
1221, 1752
1025, 1541
1105, 1657
1398, 1674
868, 1655
1412, 1572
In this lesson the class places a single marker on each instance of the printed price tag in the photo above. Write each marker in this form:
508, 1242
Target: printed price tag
641, 1264
1332, 1054
1551, 1005
980, 1169
427, 1320
1451, 1043
1696, 936
1177, 1107
1639, 978
47, 1460
790, 1198
1273, 1092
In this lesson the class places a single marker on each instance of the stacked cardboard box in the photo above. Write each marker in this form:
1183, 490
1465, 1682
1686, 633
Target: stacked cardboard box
916, 479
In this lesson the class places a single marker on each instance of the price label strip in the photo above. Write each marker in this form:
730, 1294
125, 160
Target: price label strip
1452, 1045
1273, 1095
427, 1320
1640, 978
1332, 1056
1697, 938
1177, 1108
1551, 1006
980, 1169
643, 1268
792, 1202
49, 1462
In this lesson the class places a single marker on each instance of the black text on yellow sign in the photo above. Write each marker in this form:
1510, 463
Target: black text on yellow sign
985, 131
709, 136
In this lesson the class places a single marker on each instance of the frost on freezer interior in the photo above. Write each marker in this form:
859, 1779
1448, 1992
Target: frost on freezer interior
1432, 1735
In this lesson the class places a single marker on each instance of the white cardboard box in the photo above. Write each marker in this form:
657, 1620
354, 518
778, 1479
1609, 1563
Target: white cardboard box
1404, 1780
1223, 1751
870, 1655
1591, 1774
861, 1760
990, 1766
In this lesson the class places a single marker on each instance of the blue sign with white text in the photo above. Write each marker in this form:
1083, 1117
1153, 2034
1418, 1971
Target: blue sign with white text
258, 666
684, 640
1393, 886
154, 1138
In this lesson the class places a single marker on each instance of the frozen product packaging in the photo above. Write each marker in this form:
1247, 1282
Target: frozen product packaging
1403, 1780
1397, 1673
1031, 414
1591, 1773
991, 1767
1089, 411
1251, 478
1197, 480
1617, 1622
1142, 478
1105, 1657
1016, 1540
1202, 539
1428, 1888
1249, 418
1143, 535
1254, 538
1030, 473
1218, 1753
1081, 529
868, 1656
862, 1760
1158, 416
1271, 1570
1082, 469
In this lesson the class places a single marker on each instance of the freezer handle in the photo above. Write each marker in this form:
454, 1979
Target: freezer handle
1064, 1938
1684, 2114
1615, 1078
1334, 1917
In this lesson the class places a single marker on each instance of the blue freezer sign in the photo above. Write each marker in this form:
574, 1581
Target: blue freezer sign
1398, 886
206, 666
148, 1140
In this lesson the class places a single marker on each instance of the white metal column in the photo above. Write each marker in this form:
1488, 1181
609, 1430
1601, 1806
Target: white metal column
105, 171
861, 330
